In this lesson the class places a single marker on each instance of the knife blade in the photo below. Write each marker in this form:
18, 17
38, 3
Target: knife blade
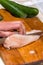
36, 33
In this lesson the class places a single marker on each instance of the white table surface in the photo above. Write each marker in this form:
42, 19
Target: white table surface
1, 62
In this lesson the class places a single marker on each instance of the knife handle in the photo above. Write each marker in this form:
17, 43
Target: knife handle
2, 40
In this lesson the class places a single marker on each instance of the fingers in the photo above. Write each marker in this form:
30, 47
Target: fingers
8, 25
21, 28
5, 33
5, 26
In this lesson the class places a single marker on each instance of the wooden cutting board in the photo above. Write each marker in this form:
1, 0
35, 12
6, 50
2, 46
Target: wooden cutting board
29, 53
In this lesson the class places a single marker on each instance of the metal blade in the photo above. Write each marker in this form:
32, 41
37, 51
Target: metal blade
36, 33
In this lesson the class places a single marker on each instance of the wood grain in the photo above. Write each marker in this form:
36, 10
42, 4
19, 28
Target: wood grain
23, 55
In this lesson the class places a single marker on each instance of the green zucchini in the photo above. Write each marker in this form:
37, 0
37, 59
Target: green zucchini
31, 11
19, 10
12, 9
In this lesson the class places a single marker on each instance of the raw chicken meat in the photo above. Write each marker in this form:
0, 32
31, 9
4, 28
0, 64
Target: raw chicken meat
18, 40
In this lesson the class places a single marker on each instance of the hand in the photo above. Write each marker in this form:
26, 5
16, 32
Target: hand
7, 28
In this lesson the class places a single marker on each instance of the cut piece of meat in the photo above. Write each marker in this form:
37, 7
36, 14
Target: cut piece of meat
18, 40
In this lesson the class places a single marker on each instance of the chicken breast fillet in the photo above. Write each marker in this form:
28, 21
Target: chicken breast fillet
18, 40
